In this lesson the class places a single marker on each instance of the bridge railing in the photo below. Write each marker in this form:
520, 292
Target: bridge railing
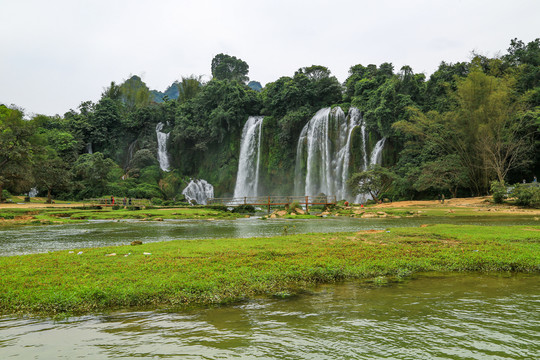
269, 201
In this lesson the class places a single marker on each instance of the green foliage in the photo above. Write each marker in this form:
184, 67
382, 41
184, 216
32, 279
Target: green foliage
92, 174
134, 93
527, 195
244, 209
375, 181
188, 88
17, 142
499, 192
227, 67
145, 191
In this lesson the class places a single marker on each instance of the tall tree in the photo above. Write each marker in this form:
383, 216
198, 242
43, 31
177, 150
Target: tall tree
17, 139
227, 67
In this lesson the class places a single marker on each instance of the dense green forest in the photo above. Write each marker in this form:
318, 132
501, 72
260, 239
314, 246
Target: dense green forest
467, 125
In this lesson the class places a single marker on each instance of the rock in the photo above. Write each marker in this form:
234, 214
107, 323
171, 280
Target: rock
136, 242
113, 254
273, 216
158, 219
299, 211
281, 213
325, 213
358, 212
381, 213
369, 215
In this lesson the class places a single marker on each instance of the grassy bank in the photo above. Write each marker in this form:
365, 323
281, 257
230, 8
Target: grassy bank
45, 216
198, 272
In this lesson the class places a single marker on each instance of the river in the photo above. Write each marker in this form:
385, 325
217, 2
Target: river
20, 240
435, 316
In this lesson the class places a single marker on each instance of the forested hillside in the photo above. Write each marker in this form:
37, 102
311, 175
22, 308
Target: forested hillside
456, 132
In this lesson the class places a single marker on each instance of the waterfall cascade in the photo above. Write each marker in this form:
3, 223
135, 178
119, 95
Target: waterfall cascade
324, 152
199, 191
326, 141
162, 147
247, 178
374, 159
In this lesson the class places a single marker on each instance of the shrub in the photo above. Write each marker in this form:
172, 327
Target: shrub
527, 195
157, 201
242, 209
499, 192
218, 207
5, 195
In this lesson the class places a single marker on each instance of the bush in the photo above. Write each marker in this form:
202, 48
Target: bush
218, 207
157, 201
499, 192
5, 195
527, 195
145, 191
243, 209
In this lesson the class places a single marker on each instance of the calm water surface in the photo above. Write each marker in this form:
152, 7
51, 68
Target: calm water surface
20, 240
432, 317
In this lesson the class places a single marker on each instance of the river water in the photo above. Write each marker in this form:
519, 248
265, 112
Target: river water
19, 240
437, 316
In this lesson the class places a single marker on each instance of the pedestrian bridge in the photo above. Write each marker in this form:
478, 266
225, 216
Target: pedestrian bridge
270, 201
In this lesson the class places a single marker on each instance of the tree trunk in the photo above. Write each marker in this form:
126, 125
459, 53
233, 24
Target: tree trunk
49, 200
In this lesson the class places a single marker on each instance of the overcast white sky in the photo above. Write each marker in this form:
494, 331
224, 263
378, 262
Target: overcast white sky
55, 54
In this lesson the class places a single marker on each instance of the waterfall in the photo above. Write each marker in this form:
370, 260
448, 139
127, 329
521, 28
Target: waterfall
247, 178
374, 159
89, 148
325, 140
199, 191
162, 147
131, 149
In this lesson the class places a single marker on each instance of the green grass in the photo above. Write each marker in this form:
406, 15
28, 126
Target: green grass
202, 272
72, 215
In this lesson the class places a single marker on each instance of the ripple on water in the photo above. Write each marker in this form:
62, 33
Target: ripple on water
428, 318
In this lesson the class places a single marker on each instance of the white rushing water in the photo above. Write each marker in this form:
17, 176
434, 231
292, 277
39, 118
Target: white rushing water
163, 157
326, 143
247, 178
199, 191
374, 159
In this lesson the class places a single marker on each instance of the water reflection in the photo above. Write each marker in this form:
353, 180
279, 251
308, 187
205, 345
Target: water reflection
443, 317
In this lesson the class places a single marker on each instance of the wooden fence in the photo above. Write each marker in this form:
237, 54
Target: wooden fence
270, 201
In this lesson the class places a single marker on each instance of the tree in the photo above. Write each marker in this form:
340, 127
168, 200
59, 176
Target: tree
375, 181
17, 139
134, 93
93, 173
227, 67
188, 88
445, 173
485, 129
51, 173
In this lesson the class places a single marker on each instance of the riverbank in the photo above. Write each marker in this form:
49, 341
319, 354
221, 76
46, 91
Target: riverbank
61, 215
47, 214
202, 272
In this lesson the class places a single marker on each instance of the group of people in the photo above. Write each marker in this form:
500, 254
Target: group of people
124, 202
